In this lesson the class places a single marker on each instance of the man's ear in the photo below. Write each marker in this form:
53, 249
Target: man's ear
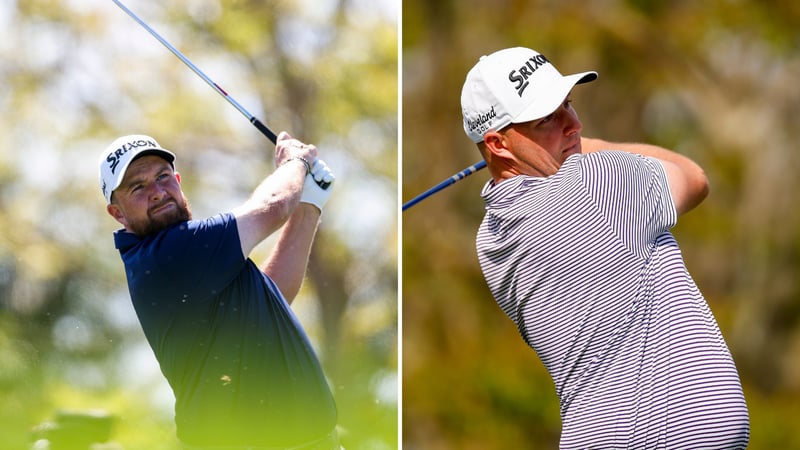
115, 212
496, 145
178, 177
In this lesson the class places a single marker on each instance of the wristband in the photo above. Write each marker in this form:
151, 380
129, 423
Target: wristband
302, 160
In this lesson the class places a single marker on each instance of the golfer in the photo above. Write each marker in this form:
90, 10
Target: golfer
576, 249
242, 369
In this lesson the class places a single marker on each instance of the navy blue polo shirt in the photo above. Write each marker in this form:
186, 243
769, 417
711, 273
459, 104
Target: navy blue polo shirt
240, 364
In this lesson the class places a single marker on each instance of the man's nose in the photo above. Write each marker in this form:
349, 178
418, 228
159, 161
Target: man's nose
572, 124
157, 192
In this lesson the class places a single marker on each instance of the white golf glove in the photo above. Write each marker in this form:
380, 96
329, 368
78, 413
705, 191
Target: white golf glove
318, 184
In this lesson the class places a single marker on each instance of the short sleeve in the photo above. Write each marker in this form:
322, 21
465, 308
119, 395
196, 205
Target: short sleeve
632, 193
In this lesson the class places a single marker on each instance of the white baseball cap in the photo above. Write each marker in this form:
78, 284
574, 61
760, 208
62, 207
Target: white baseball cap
116, 158
513, 85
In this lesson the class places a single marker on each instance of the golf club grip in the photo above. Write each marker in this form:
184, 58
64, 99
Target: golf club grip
263, 129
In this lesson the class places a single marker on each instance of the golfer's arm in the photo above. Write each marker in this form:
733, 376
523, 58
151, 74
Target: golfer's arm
289, 259
270, 205
688, 183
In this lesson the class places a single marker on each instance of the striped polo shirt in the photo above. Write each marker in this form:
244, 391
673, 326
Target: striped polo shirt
583, 262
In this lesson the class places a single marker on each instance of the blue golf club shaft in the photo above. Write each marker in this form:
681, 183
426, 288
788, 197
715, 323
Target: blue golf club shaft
457, 177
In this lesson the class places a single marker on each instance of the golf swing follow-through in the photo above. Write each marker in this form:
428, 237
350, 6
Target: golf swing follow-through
575, 248
241, 367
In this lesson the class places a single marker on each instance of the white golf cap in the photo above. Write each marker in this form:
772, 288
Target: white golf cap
116, 158
513, 85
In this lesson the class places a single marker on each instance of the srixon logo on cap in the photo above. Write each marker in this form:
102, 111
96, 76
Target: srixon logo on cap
520, 76
115, 156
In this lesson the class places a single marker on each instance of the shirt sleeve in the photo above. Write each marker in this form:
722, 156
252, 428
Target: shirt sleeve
632, 192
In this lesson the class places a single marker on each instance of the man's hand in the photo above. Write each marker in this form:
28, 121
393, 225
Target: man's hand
318, 185
288, 148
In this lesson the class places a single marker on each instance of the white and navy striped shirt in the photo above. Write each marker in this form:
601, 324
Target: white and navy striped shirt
584, 263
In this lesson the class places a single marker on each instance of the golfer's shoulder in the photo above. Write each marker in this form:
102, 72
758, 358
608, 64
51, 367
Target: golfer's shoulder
613, 164
215, 223
610, 156
191, 233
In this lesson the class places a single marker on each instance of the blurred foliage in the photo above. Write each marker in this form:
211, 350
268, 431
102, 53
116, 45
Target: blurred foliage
77, 74
715, 80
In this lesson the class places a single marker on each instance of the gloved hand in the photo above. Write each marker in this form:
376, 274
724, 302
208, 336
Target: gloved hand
318, 184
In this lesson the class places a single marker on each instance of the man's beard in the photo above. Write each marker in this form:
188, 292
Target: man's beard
163, 221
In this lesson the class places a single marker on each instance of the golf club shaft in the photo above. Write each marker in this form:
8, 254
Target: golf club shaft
257, 123
457, 177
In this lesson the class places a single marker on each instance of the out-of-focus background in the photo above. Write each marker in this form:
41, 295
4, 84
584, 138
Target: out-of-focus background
715, 80
78, 73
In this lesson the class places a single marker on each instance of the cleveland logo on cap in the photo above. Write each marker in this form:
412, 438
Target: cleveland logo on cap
115, 156
482, 122
520, 76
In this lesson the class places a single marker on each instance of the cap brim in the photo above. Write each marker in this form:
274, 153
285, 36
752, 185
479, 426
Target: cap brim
168, 156
553, 97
